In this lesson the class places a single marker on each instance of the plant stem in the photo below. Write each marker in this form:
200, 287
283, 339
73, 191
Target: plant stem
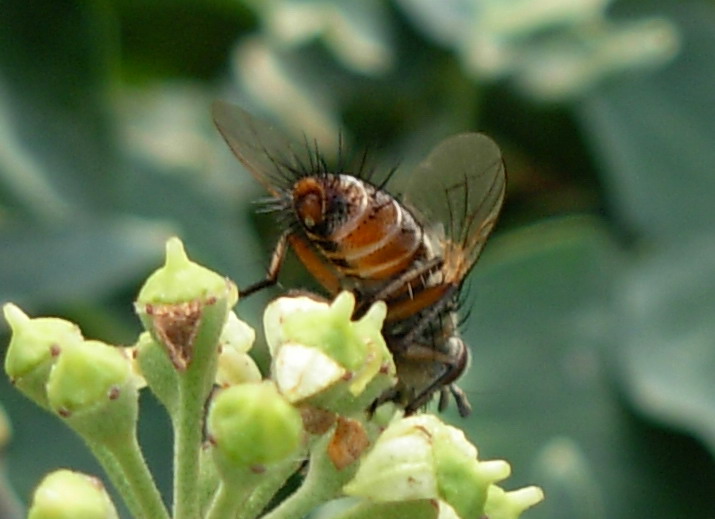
225, 503
187, 447
138, 479
264, 492
116, 475
323, 483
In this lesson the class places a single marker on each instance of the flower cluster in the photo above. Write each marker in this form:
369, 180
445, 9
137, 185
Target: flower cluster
233, 455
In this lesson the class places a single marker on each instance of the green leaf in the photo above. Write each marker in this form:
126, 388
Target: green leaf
79, 260
653, 137
669, 357
544, 322
56, 152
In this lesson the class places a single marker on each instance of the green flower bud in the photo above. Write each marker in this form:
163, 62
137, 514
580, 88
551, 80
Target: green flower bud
235, 366
184, 306
320, 354
422, 458
252, 425
64, 494
33, 347
92, 387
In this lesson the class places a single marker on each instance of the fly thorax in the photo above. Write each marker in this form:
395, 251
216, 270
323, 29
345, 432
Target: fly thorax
347, 203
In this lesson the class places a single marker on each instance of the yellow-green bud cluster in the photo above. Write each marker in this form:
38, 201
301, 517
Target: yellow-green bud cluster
327, 369
88, 383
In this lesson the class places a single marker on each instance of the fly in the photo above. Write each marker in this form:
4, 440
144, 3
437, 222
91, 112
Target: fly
414, 253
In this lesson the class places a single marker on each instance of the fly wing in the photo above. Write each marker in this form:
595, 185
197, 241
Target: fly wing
461, 186
271, 157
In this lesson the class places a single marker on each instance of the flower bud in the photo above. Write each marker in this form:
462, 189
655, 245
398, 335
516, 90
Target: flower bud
184, 306
320, 354
235, 366
252, 425
422, 458
92, 387
64, 494
33, 347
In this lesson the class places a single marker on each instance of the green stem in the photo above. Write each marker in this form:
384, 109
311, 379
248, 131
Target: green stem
236, 492
265, 491
116, 475
188, 431
323, 483
225, 503
245, 494
187, 447
129, 458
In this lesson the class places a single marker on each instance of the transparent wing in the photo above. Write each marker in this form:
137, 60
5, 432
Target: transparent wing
271, 157
461, 186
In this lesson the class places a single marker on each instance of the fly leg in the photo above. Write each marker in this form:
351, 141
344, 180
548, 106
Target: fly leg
279, 254
397, 285
316, 266
445, 295
455, 363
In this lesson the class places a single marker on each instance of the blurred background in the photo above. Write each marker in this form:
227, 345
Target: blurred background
593, 308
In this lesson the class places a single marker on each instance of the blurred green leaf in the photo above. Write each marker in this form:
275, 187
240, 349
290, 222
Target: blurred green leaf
653, 136
56, 155
544, 321
669, 357
562, 467
80, 260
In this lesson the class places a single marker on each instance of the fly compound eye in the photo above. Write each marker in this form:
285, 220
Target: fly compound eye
309, 201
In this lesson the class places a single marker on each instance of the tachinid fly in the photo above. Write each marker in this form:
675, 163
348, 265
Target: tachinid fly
413, 252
